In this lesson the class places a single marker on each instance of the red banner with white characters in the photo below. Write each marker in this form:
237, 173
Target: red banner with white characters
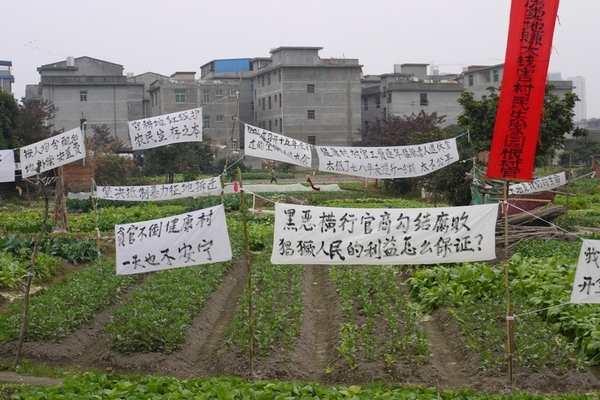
521, 99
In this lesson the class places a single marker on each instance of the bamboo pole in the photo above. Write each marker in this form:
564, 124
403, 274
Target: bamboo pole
95, 209
31, 270
509, 316
249, 280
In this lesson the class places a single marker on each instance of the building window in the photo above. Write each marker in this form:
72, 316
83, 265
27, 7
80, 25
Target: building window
280, 100
423, 99
219, 118
280, 125
279, 73
312, 140
377, 102
206, 96
483, 97
206, 122
270, 125
310, 88
232, 93
83, 95
470, 80
179, 96
496, 75
232, 118
268, 79
311, 114
269, 102
389, 97
263, 104
366, 102
218, 92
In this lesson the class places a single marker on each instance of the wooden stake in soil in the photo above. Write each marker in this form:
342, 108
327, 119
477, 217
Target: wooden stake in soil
509, 317
32, 269
94, 207
249, 277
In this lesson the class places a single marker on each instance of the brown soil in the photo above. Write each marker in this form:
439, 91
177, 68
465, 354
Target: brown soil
314, 359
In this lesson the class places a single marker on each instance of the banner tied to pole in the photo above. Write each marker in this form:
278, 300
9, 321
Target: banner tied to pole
538, 185
197, 237
273, 146
52, 152
203, 187
586, 287
324, 235
7, 165
521, 101
178, 127
388, 162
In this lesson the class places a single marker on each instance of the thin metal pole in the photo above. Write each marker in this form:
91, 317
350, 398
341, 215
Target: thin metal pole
509, 316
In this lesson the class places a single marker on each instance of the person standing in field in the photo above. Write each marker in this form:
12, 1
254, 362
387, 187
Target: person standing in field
273, 176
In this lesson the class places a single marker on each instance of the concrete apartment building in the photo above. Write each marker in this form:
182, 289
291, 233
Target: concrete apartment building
90, 89
302, 96
6, 77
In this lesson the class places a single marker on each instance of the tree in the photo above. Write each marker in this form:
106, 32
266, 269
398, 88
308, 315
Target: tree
396, 131
9, 120
190, 159
479, 117
35, 121
581, 153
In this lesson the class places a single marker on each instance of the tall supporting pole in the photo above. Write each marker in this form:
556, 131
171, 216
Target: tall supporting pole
249, 277
510, 348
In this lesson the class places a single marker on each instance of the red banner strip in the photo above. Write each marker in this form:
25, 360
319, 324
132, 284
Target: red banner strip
522, 90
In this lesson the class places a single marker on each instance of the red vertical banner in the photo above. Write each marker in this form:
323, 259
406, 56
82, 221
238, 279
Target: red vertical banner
521, 101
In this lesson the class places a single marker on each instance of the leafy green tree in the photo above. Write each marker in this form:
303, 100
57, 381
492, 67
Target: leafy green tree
9, 120
190, 159
581, 153
35, 121
479, 117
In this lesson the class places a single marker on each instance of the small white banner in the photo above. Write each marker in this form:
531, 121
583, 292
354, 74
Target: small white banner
52, 152
538, 185
198, 237
203, 187
178, 127
586, 288
323, 235
7, 165
270, 145
388, 162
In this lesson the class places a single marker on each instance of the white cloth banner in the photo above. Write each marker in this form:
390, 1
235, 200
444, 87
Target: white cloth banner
52, 152
197, 237
323, 235
388, 162
178, 127
7, 165
538, 185
270, 145
586, 288
203, 187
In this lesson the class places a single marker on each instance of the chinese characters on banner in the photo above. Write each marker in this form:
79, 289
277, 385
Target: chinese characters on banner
178, 127
586, 288
324, 235
388, 162
204, 187
522, 93
538, 185
198, 237
266, 144
7, 166
52, 152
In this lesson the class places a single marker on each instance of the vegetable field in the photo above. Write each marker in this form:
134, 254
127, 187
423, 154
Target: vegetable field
440, 327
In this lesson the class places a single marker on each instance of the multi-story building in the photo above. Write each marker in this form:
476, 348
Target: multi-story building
300, 95
89, 89
6, 77
579, 89
410, 90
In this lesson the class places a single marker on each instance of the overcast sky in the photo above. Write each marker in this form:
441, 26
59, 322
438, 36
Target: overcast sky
181, 35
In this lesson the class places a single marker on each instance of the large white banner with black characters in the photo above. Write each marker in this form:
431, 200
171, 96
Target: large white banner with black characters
170, 191
178, 127
7, 165
52, 152
538, 185
586, 288
324, 235
273, 146
388, 162
197, 237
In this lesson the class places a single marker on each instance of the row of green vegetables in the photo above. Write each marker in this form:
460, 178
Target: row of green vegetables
95, 386
547, 329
